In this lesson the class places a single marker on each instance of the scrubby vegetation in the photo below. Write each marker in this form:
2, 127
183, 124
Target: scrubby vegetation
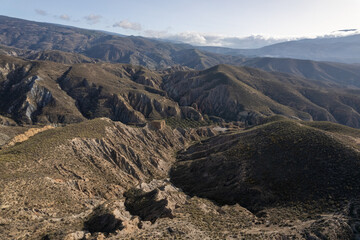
45, 141
278, 162
187, 123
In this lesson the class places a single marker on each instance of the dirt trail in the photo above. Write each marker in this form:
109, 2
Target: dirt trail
26, 135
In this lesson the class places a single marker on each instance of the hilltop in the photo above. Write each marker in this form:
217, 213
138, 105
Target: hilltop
280, 162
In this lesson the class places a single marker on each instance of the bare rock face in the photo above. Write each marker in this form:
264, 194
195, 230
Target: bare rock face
78, 235
158, 124
192, 113
140, 209
36, 97
329, 228
29, 93
158, 199
122, 111
109, 217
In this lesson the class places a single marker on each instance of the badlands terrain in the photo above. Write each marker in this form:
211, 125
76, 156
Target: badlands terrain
105, 136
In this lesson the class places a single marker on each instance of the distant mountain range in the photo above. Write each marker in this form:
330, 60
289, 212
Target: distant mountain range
150, 53
334, 49
159, 54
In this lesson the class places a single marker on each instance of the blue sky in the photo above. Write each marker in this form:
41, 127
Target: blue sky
196, 21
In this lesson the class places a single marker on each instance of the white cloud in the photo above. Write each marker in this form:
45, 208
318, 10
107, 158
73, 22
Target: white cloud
93, 19
65, 17
199, 39
125, 24
341, 33
40, 12
193, 38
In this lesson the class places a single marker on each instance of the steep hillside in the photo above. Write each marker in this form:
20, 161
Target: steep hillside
43, 36
246, 94
59, 57
30, 93
15, 52
198, 60
280, 163
43, 92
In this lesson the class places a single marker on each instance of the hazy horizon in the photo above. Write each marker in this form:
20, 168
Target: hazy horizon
237, 24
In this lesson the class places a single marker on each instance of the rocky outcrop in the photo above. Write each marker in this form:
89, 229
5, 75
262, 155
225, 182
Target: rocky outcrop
123, 111
191, 113
152, 106
152, 201
329, 228
109, 217
29, 94
158, 124
27, 98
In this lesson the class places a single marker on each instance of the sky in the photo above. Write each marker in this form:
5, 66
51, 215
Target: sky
231, 23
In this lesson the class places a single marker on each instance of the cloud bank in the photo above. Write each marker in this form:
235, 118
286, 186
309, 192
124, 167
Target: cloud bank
128, 25
64, 17
199, 39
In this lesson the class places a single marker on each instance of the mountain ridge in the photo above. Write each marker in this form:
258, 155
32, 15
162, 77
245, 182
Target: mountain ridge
48, 92
97, 44
337, 49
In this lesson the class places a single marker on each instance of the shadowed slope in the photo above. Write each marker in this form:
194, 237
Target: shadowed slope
278, 162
